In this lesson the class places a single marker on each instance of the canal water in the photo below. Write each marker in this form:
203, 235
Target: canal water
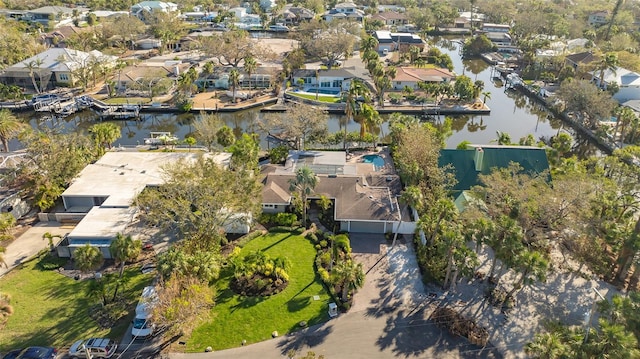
511, 112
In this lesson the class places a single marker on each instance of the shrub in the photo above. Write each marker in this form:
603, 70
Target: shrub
325, 259
323, 243
312, 237
285, 219
51, 262
324, 274
395, 98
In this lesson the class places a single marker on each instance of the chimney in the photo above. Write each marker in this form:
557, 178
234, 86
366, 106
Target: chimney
479, 156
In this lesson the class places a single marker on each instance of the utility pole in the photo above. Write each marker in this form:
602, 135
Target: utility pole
589, 315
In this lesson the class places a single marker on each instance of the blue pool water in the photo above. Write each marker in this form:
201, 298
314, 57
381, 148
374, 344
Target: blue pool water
323, 91
377, 161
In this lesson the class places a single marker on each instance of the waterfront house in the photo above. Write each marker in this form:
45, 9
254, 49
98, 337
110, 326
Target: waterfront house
364, 198
59, 36
52, 68
333, 80
411, 77
467, 164
300, 14
392, 41
628, 83
129, 76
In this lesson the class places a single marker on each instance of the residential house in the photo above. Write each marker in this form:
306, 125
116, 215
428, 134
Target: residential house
238, 12
105, 14
344, 11
148, 43
50, 16
364, 198
467, 164
267, 5
464, 20
628, 83
52, 68
411, 77
130, 75
598, 18
12, 14
101, 197
582, 63
396, 8
300, 14
328, 80
143, 9
392, 41
391, 18
260, 79
498, 34
58, 37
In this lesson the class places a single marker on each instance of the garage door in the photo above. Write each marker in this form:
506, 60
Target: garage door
367, 227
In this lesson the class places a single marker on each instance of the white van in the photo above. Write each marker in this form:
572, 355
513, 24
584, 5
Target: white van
142, 325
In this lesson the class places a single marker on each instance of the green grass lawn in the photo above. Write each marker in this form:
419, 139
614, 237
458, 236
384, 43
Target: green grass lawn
236, 318
321, 98
51, 309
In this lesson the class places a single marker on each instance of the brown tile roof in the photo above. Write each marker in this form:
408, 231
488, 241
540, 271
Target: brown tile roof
356, 197
582, 58
389, 15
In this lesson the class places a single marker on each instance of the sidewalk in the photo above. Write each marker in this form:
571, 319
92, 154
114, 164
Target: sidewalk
30, 243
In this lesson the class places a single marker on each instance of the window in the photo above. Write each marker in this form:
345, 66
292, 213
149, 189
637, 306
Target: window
307, 80
325, 84
63, 77
337, 83
268, 206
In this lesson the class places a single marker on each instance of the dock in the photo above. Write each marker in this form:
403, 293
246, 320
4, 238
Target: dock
117, 112
64, 107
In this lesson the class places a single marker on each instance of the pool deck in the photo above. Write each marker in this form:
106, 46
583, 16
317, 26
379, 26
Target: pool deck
364, 168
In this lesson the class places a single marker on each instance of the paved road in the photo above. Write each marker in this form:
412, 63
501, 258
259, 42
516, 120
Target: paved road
30, 243
389, 318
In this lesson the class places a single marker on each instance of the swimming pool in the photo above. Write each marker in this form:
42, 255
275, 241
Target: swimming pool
323, 91
377, 161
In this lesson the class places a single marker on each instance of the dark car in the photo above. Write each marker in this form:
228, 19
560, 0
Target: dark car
32, 353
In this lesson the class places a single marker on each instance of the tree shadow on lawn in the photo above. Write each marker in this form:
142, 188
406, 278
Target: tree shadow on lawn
310, 337
415, 335
246, 302
276, 243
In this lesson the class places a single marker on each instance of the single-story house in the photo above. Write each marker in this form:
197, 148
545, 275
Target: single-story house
58, 37
52, 68
412, 76
51, 16
628, 83
363, 202
100, 198
464, 20
467, 164
391, 18
490, 27
129, 75
598, 18
300, 14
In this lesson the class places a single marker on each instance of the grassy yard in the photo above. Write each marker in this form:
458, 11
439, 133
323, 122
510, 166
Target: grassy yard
236, 318
321, 98
51, 309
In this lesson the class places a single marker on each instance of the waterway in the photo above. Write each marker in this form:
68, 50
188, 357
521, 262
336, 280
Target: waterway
511, 112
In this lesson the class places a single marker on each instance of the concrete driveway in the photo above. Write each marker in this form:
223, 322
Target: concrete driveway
389, 318
30, 243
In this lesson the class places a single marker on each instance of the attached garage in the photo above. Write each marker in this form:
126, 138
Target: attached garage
363, 226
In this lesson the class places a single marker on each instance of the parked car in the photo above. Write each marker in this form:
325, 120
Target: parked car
102, 348
32, 353
142, 325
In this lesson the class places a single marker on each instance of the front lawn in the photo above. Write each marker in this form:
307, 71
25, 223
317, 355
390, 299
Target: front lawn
127, 101
51, 309
235, 318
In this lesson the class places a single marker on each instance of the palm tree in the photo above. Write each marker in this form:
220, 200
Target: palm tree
546, 346
529, 263
123, 249
608, 62
411, 197
324, 203
49, 237
303, 184
503, 138
119, 66
250, 66
485, 95
10, 127
349, 276
87, 258
97, 289
32, 66
368, 43
234, 80
357, 90
104, 134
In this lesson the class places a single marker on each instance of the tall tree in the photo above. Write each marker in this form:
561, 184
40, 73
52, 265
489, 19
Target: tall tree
614, 14
33, 67
234, 80
10, 127
411, 197
303, 122
206, 129
302, 185
608, 62
250, 66
123, 249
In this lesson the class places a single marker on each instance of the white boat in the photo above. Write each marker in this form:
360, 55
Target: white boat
279, 28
